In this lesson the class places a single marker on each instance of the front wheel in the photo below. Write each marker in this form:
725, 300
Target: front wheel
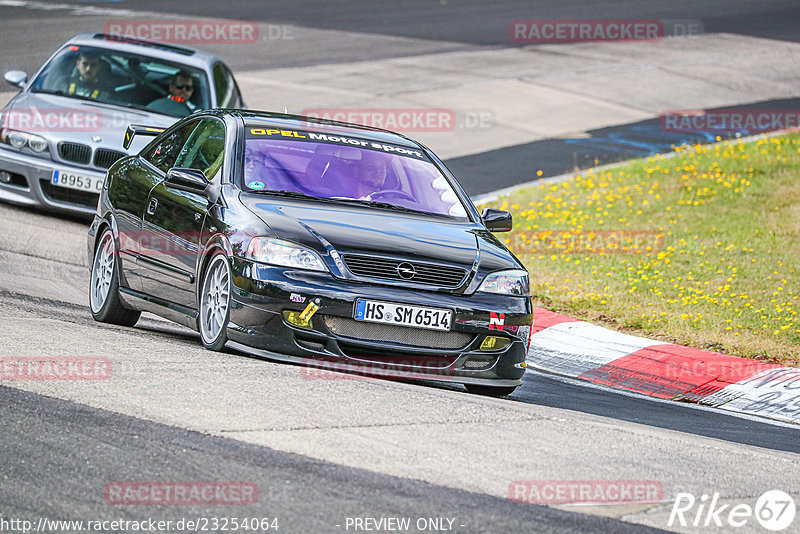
215, 303
490, 391
104, 285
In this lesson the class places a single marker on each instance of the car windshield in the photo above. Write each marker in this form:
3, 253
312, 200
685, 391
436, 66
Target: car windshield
124, 79
344, 168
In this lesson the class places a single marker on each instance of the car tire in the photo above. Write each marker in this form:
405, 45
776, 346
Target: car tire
490, 391
215, 299
104, 298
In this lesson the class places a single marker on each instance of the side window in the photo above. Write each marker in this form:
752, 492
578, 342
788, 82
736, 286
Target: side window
205, 149
227, 92
164, 154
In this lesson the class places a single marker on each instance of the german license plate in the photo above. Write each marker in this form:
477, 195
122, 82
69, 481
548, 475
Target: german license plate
81, 182
375, 311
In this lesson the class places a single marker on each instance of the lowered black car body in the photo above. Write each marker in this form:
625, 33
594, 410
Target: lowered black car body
258, 231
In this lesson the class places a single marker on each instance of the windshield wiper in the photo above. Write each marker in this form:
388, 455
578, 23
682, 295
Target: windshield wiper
62, 93
88, 99
290, 194
389, 206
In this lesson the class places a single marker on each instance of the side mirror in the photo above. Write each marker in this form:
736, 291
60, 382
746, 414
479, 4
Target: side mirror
191, 180
17, 78
496, 220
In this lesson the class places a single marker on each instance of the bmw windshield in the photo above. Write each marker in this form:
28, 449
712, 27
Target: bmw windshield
124, 79
347, 169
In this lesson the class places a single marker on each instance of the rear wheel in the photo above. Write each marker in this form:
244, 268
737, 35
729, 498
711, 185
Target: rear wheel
490, 391
104, 285
215, 303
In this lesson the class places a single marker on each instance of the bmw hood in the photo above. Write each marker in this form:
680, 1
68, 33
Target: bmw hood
60, 118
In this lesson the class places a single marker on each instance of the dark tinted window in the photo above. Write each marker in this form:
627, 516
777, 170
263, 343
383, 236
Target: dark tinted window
164, 154
227, 92
205, 149
122, 78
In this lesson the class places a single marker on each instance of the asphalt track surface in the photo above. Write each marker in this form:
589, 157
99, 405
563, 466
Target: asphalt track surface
64, 453
58, 453
608, 145
486, 23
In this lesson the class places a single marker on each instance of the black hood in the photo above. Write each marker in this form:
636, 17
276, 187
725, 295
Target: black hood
366, 230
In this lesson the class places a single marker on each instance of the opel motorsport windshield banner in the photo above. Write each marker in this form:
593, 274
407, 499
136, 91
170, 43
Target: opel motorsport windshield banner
341, 140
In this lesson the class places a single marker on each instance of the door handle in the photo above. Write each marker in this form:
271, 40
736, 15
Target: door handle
151, 208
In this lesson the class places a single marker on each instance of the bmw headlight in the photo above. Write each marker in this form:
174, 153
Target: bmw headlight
283, 253
511, 282
36, 143
19, 139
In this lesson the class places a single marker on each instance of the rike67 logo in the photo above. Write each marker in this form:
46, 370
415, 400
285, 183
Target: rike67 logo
774, 510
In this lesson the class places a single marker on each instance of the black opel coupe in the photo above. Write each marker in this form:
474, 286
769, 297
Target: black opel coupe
327, 244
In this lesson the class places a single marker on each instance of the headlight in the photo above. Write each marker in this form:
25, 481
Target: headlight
37, 144
20, 139
17, 139
512, 282
284, 253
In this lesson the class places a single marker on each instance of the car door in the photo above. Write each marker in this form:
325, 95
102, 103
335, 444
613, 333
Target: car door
129, 187
173, 220
159, 159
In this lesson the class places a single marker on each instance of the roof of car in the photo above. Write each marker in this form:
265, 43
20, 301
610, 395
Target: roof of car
165, 51
299, 122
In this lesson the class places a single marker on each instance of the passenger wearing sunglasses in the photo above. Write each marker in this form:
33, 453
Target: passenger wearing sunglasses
178, 103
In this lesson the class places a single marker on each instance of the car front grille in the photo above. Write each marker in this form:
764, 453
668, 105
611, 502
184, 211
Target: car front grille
105, 158
399, 359
75, 152
414, 337
70, 196
391, 269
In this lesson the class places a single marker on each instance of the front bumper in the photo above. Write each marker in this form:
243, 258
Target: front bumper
335, 341
31, 184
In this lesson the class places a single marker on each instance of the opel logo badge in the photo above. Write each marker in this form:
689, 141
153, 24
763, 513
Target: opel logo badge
406, 270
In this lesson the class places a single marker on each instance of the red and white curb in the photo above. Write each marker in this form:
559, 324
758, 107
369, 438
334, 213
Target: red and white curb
566, 346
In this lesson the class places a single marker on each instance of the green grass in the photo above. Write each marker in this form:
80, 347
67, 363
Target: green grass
702, 248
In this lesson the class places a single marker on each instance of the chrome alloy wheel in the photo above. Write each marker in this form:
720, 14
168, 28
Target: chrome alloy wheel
215, 300
102, 272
